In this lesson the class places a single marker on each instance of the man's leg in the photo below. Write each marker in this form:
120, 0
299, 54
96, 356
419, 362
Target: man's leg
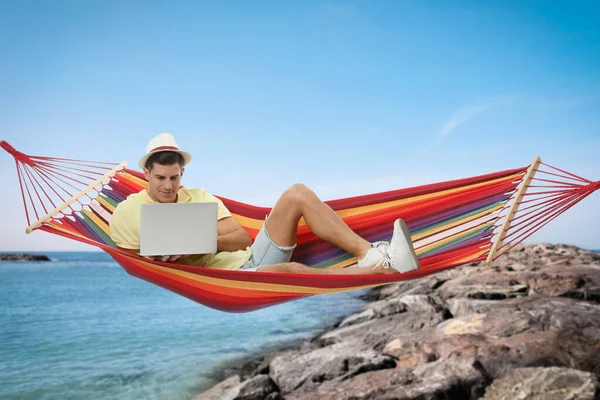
297, 268
279, 235
299, 201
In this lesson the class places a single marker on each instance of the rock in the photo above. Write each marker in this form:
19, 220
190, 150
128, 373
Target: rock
291, 372
442, 380
531, 323
544, 384
257, 388
375, 310
567, 347
487, 285
275, 396
23, 257
421, 312
354, 319
518, 332
551, 280
374, 364
226, 390
588, 294
371, 385
506, 324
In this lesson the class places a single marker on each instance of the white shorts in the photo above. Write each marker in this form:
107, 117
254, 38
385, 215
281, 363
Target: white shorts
265, 252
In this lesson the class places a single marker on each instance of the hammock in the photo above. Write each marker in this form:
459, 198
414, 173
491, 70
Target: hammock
451, 223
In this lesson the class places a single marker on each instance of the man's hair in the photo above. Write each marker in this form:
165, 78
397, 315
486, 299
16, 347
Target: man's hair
164, 158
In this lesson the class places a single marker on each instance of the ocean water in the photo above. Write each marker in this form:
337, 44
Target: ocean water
80, 327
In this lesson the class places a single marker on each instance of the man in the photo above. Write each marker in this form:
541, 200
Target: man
163, 166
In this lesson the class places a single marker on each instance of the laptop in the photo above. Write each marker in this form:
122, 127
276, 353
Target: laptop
178, 229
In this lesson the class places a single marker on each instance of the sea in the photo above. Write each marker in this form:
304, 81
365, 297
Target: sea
80, 327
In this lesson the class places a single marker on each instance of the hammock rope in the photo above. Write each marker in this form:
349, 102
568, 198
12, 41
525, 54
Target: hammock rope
452, 223
544, 205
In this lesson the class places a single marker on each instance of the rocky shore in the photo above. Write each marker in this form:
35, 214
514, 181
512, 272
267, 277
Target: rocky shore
23, 257
527, 328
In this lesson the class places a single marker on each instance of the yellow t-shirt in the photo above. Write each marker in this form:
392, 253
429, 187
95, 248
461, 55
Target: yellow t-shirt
125, 228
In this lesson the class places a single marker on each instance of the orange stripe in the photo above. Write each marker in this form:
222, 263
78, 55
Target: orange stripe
229, 291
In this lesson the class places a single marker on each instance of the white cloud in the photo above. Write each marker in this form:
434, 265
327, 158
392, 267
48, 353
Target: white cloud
460, 117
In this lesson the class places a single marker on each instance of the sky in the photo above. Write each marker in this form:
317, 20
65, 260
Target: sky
348, 97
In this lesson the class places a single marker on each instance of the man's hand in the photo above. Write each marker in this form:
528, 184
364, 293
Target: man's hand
161, 258
165, 258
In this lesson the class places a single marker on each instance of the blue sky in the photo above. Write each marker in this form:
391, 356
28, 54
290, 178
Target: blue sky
347, 97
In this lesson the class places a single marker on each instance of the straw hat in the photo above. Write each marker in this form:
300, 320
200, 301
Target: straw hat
163, 142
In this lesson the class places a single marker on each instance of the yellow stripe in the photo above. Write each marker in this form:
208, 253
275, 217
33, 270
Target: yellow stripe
134, 179
434, 231
344, 264
106, 204
248, 222
253, 286
455, 223
61, 228
467, 259
265, 287
449, 239
101, 224
288, 289
374, 207
253, 223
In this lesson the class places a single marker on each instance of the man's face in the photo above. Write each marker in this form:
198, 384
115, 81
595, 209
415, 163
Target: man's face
164, 182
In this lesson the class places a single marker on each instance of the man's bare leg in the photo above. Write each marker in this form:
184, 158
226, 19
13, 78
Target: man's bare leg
299, 201
297, 268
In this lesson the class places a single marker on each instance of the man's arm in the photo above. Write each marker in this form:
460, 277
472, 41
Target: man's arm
232, 235
125, 230
161, 258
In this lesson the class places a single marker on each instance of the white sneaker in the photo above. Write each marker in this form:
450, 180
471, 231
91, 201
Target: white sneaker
399, 254
375, 256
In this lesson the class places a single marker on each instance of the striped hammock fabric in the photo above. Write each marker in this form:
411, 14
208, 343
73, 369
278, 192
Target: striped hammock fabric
451, 223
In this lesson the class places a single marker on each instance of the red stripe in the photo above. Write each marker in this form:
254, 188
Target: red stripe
135, 173
245, 304
125, 187
245, 210
211, 299
418, 190
164, 148
259, 213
